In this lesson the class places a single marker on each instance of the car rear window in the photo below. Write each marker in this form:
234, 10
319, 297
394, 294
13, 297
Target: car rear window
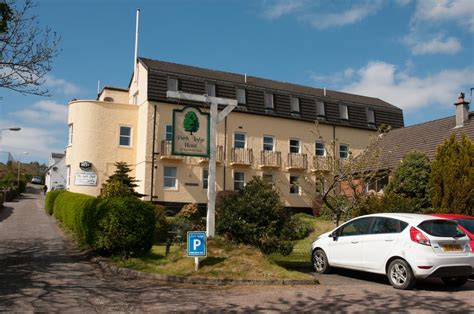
468, 224
440, 228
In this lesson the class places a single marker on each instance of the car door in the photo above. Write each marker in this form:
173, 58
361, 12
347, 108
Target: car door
345, 249
377, 245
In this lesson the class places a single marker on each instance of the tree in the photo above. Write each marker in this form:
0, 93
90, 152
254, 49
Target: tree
452, 176
120, 183
26, 49
191, 122
411, 179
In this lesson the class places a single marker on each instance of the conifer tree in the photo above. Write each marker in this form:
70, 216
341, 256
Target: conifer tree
120, 183
452, 176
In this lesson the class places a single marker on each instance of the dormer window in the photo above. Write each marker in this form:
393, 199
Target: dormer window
370, 117
172, 84
320, 110
269, 102
211, 89
241, 97
343, 112
295, 105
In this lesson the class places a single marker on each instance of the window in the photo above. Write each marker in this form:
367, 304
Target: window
294, 146
377, 184
168, 133
135, 98
267, 177
343, 151
268, 143
320, 151
239, 181
68, 176
370, 117
169, 178
125, 136
295, 104
69, 141
294, 186
356, 227
241, 97
320, 110
440, 228
344, 115
211, 89
205, 178
268, 101
239, 140
172, 84
388, 225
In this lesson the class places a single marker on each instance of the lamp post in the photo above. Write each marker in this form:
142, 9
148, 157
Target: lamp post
19, 166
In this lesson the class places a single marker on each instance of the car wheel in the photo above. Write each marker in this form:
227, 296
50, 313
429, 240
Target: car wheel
320, 262
400, 275
455, 281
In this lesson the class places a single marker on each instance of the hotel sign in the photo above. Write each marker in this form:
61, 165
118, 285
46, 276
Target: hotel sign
191, 129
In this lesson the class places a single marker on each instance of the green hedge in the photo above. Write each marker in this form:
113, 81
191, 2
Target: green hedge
49, 200
77, 213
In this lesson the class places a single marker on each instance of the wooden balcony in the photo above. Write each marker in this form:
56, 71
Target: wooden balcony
321, 164
219, 156
166, 152
241, 157
297, 162
270, 159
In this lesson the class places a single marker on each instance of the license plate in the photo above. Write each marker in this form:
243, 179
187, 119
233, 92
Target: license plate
452, 248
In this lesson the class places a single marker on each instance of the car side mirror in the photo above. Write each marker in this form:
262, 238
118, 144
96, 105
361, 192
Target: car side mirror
333, 235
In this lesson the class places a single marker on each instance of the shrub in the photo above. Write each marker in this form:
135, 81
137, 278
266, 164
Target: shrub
77, 213
115, 188
125, 226
302, 226
162, 225
190, 212
50, 199
22, 186
389, 203
257, 217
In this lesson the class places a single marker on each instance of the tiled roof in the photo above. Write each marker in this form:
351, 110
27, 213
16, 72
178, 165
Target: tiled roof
57, 155
423, 137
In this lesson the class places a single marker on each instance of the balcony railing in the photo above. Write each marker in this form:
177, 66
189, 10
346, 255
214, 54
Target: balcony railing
166, 152
321, 164
241, 156
270, 159
297, 161
219, 155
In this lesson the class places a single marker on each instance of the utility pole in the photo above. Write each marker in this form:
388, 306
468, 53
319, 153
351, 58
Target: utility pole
19, 166
216, 117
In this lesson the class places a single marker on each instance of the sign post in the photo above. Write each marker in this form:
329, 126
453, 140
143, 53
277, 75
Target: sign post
216, 117
197, 246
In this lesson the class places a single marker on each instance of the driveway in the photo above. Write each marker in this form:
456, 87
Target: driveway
41, 270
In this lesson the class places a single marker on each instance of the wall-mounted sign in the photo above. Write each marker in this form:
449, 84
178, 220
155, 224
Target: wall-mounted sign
86, 179
85, 165
191, 129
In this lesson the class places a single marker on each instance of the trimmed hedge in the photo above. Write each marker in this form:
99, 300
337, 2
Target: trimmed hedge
49, 200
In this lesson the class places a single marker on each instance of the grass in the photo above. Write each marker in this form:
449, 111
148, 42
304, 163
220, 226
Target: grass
230, 261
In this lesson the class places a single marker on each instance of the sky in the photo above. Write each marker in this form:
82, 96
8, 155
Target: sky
417, 55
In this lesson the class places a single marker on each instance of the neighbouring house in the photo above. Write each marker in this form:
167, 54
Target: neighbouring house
56, 173
270, 134
424, 137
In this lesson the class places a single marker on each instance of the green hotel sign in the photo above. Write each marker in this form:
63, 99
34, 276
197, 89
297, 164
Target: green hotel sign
190, 132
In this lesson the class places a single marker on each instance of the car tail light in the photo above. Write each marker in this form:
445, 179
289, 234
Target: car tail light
418, 237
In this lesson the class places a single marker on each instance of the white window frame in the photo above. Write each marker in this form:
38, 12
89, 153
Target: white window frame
68, 177
175, 187
292, 186
269, 101
205, 178
239, 181
273, 143
343, 112
70, 134
295, 104
299, 145
320, 108
129, 136
241, 101
211, 89
316, 149
245, 140
169, 84
166, 132
347, 152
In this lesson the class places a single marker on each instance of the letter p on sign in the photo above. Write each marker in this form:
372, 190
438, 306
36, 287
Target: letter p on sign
196, 244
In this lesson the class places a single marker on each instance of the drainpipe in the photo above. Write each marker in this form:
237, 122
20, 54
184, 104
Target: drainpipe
153, 155
225, 150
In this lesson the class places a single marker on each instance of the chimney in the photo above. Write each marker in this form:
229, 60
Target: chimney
462, 111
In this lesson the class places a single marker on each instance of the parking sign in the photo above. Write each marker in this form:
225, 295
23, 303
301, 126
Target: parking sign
197, 243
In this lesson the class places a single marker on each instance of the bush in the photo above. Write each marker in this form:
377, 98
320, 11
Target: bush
162, 225
115, 188
257, 217
389, 203
190, 212
2, 198
77, 213
125, 226
302, 226
22, 186
50, 199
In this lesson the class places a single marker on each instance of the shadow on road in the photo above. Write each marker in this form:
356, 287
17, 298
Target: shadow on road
5, 212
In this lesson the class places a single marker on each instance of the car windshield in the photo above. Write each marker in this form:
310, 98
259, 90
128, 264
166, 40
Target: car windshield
441, 228
467, 224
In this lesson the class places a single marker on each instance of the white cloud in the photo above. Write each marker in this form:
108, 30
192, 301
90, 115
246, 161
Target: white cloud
334, 78
437, 44
459, 11
409, 92
43, 112
284, 7
61, 85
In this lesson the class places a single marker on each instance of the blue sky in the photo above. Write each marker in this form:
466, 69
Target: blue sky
414, 54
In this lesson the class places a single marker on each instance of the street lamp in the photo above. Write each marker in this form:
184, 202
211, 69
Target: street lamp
19, 166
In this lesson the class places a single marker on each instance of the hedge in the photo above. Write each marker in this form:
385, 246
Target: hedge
49, 200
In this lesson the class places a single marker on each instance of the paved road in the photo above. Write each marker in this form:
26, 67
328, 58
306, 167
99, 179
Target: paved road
40, 270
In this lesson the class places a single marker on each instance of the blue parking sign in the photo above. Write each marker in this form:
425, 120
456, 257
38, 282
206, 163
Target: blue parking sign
197, 243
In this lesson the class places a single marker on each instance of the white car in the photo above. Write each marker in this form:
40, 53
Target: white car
402, 246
